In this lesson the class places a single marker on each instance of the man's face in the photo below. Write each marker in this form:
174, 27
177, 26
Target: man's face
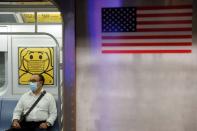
36, 78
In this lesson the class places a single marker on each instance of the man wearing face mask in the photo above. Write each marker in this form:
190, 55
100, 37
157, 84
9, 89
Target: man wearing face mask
43, 115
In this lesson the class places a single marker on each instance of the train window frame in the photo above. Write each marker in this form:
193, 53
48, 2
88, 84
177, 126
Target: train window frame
23, 41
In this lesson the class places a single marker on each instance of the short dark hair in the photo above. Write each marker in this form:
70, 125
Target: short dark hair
41, 78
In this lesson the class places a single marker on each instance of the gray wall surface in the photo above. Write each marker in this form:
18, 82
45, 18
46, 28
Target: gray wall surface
132, 92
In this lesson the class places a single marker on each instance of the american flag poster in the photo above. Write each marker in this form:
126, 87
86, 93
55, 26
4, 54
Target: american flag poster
147, 29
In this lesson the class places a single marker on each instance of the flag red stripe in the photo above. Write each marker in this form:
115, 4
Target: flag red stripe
148, 37
164, 15
163, 29
164, 7
147, 44
164, 22
143, 51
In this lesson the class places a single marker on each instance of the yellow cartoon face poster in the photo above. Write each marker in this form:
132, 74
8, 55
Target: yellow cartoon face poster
35, 60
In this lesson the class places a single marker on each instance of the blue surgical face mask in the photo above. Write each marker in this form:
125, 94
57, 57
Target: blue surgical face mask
33, 86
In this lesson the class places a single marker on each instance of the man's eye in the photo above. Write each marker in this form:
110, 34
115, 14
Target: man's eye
32, 80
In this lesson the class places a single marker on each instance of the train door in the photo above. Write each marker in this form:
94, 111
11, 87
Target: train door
31, 41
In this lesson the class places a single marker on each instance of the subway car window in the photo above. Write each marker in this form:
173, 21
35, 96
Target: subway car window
7, 18
2, 69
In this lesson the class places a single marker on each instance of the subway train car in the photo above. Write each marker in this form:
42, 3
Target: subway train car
112, 65
31, 42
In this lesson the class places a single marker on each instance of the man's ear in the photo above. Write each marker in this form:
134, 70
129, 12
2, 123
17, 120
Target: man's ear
42, 83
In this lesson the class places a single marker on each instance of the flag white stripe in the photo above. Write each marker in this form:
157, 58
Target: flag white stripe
146, 34
167, 11
164, 18
164, 26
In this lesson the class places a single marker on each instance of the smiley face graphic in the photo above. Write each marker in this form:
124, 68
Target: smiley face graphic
36, 61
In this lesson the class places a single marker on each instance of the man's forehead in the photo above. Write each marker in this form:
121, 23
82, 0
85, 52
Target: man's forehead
36, 77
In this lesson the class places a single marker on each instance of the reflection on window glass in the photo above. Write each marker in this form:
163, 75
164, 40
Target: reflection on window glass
2, 69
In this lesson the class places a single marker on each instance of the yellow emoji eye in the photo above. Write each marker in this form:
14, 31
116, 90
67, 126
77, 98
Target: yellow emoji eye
40, 57
31, 56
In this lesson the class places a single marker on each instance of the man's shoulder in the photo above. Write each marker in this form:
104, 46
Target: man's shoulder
48, 94
26, 94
